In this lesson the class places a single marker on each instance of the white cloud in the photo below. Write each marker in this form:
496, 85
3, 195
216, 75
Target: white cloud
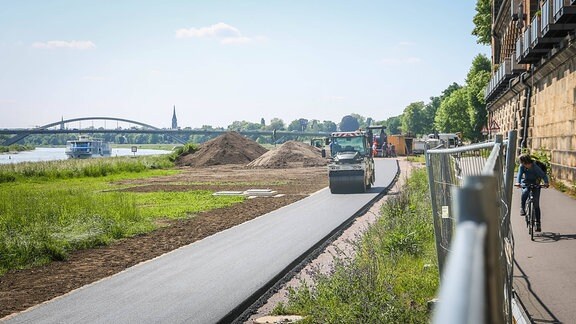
79, 45
7, 101
225, 33
400, 61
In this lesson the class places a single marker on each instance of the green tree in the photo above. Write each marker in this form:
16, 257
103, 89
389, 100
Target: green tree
476, 81
276, 123
243, 126
479, 63
362, 121
453, 116
393, 125
349, 123
413, 118
429, 114
294, 125
483, 22
448, 91
328, 126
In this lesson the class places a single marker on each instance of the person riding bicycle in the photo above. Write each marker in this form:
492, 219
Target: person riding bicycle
529, 173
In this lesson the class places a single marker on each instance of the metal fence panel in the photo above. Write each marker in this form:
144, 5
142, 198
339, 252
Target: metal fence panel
453, 172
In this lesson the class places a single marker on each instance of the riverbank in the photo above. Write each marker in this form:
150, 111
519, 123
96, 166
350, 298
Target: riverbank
58, 153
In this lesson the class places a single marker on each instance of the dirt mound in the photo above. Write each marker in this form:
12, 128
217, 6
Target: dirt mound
290, 155
229, 148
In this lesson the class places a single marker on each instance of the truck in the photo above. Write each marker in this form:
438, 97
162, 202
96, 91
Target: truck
448, 139
419, 146
351, 166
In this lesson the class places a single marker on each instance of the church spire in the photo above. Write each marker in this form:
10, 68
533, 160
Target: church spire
174, 119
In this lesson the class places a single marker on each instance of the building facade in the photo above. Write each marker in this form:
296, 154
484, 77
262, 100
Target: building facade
533, 86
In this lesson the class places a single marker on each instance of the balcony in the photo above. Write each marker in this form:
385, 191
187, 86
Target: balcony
564, 11
558, 18
526, 53
537, 42
507, 70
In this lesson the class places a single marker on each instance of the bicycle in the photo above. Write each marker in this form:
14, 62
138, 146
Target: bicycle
530, 211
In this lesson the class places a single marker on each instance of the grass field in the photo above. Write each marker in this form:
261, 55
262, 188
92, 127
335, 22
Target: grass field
50, 209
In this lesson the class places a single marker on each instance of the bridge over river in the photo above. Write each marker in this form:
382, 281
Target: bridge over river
176, 134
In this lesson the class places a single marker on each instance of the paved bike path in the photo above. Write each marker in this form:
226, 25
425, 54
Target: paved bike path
204, 281
545, 269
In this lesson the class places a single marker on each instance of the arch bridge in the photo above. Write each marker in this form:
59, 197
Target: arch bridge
21, 133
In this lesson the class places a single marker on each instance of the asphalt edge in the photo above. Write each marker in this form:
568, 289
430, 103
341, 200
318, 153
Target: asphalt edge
242, 312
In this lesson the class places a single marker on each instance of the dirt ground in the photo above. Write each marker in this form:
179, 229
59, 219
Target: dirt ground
22, 289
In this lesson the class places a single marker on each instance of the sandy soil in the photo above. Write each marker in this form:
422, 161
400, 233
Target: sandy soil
22, 289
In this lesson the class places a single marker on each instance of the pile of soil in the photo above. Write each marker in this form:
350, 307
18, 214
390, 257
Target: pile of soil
291, 154
229, 148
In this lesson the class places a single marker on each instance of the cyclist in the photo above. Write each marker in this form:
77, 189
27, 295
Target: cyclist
530, 173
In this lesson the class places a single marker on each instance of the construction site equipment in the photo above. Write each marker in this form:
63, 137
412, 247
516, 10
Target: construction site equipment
401, 144
318, 142
380, 140
351, 168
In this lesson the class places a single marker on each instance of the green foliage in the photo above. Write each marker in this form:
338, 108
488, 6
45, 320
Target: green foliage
188, 148
429, 114
453, 116
16, 148
449, 90
349, 123
477, 104
393, 125
480, 64
413, 118
476, 82
392, 276
483, 22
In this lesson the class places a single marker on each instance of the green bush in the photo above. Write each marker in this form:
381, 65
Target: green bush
392, 276
188, 148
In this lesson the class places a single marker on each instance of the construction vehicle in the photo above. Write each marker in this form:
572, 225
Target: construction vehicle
318, 142
351, 168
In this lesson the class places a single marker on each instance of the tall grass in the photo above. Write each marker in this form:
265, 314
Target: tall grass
68, 169
392, 276
45, 221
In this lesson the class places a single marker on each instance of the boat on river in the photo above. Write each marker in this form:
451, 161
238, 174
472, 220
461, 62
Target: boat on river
86, 147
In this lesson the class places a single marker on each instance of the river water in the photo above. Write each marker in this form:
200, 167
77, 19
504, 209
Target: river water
51, 154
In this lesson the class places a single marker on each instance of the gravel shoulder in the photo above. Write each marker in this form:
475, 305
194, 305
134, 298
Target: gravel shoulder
342, 246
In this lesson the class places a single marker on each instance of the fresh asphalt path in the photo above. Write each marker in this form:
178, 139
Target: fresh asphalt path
545, 269
202, 282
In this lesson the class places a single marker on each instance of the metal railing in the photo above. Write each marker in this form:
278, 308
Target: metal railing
471, 191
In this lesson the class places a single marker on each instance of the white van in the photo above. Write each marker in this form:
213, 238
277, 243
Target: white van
450, 139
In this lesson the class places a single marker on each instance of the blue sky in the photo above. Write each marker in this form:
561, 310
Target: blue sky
221, 61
